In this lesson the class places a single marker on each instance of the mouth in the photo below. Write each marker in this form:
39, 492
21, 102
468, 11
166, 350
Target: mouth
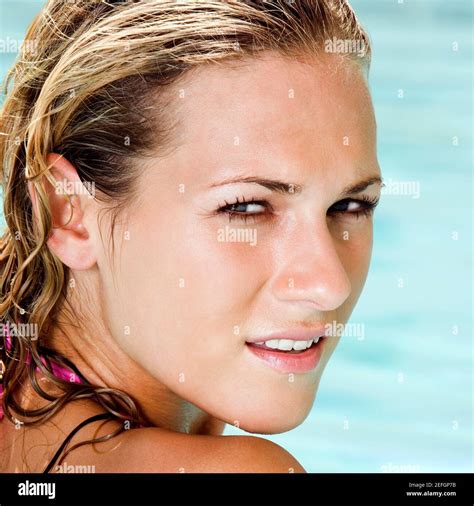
289, 360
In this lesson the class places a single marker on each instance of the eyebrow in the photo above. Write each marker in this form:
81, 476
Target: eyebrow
292, 188
361, 185
271, 184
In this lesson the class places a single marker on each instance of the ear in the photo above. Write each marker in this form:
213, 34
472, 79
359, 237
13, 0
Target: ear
69, 240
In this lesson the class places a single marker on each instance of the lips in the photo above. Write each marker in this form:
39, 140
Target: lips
289, 361
295, 334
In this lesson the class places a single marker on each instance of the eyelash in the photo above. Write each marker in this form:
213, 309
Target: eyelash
227, 209
367, 208
368, 205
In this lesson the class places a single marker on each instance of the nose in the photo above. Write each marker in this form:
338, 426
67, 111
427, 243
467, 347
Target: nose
310, 270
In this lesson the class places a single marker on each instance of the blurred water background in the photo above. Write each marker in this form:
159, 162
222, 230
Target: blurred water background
399, 397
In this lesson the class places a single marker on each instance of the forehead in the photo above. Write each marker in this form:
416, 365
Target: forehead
275, 110
272, 86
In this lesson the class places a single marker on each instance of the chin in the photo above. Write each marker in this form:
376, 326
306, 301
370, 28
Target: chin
276, 421
272, 427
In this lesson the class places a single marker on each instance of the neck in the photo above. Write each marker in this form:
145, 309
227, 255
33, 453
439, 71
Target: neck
95, 353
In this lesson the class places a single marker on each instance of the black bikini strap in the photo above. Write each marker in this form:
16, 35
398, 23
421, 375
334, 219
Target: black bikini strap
91, 419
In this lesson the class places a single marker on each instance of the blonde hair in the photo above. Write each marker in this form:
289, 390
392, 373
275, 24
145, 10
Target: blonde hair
97, 68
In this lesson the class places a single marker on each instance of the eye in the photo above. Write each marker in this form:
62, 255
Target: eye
244, 209
354, 207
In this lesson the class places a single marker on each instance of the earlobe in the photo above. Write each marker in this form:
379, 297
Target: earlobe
69, 238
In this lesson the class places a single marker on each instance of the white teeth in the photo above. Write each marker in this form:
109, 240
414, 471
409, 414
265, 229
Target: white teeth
288, 344
273, 343
285, 344
301, 345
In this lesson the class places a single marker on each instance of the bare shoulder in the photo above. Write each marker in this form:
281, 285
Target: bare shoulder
158, 450
259, 455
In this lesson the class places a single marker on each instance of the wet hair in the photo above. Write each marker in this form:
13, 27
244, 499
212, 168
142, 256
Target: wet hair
89, 70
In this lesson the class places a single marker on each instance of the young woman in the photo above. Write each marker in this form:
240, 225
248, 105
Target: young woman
188, 189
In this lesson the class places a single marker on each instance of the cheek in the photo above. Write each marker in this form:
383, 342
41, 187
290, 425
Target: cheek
353, 243
220, 275
189, 290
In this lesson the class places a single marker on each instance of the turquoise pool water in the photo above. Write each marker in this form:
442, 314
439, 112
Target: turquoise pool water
401, 398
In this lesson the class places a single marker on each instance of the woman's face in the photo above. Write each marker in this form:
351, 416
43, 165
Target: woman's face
196, 278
